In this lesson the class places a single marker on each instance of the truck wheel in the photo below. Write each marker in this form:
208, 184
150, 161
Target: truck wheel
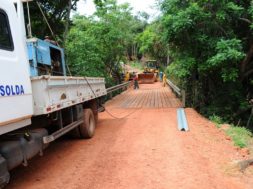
87, 128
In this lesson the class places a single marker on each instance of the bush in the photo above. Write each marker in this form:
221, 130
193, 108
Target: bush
217, 120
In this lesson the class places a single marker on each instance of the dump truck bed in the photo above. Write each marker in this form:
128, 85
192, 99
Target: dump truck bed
52, 93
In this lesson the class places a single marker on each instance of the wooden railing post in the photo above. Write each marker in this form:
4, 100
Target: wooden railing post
183, 98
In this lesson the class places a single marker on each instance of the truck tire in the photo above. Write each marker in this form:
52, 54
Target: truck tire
94, 108
87, 128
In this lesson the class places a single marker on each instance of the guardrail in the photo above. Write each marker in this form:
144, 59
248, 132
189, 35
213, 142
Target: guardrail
177, 90
117, 87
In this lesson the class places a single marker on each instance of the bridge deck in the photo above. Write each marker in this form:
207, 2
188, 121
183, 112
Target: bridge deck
148, 96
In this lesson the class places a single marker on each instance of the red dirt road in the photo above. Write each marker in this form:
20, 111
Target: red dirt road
143, 150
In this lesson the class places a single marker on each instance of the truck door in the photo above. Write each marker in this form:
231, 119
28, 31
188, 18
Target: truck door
16, 106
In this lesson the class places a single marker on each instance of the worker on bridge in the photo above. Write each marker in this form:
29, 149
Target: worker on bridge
164, 79
127, 76
136, 84
161, 76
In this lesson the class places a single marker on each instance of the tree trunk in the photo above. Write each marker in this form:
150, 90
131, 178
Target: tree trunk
67, 21
246, 61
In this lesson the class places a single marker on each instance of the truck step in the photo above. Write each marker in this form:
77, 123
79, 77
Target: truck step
59, 133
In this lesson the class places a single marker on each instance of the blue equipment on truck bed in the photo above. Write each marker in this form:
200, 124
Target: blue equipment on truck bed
45, 58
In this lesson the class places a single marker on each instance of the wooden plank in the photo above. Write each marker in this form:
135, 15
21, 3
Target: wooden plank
149, 99
117, 101
122, 101
168, 98
132, 103
157, 98
127, 100
143, 98
153, 104
160, 104
139, 99
153, 97
163, 98
153, 100
146, 103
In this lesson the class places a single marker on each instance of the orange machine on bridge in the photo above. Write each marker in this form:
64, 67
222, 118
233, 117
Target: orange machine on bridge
150, 73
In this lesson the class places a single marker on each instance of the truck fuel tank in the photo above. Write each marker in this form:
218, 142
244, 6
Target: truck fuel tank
20, 147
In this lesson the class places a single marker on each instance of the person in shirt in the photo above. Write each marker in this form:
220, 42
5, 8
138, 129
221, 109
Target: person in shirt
136, 84
164, 80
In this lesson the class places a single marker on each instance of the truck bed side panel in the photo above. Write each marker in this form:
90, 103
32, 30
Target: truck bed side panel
52, 93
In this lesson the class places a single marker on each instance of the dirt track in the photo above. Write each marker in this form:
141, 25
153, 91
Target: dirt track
142, 150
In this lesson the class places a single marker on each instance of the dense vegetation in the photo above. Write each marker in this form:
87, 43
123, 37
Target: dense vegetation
207, 47
99, 44
211, 48
57, 13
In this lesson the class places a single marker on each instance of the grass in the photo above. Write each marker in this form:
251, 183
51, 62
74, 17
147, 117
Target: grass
217, 120
241, 136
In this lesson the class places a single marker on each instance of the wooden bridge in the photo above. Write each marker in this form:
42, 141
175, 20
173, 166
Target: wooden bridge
148, 96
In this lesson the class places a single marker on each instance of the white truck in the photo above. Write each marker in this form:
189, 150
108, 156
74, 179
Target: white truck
38, 102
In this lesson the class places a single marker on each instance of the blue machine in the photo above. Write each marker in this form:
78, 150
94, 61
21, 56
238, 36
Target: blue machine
45, 58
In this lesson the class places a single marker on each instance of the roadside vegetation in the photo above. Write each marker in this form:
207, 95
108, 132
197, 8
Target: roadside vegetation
210, 47
241, 136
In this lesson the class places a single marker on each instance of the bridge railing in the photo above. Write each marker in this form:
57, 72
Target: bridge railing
179, 92
123, 86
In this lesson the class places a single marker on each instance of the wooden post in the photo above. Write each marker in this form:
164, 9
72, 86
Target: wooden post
183, 98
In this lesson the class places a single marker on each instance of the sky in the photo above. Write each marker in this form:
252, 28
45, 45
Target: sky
87, 7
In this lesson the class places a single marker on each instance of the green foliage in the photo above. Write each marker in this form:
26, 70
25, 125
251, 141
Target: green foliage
84, 56
209, 43
228, 53
151, 43
217, 120
56, 13
147, 40
182, 67
96, 46
240, 135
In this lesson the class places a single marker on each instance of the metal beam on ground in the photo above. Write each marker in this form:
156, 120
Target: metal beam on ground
181, 120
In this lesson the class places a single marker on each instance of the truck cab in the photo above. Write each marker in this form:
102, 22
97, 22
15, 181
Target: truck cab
15, 86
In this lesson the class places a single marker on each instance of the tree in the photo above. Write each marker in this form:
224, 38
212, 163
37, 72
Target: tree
115, 32
211, 45
57, 13
152, 44
97, 46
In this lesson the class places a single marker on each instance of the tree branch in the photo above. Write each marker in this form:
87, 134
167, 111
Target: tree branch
245, 20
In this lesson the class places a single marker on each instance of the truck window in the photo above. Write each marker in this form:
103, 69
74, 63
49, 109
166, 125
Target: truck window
5, 33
